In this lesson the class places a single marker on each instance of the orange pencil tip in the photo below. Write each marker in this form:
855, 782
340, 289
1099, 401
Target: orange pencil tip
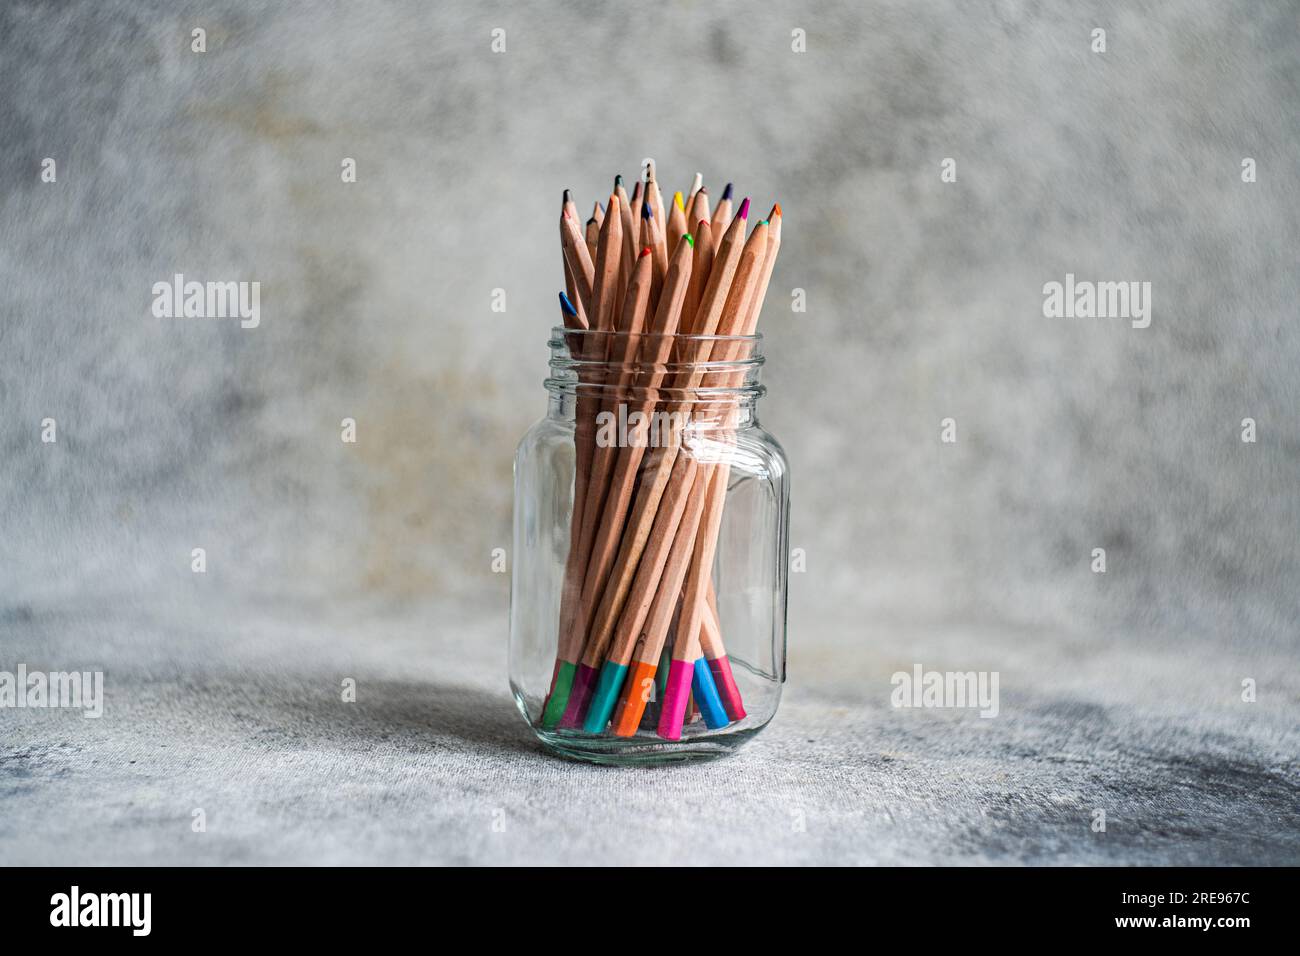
776, 210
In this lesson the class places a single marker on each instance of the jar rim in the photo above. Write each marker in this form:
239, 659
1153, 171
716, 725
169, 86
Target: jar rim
685, 366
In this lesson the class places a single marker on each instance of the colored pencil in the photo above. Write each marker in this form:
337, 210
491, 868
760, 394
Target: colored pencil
593, 230
722, 215
650, 518
639, 611
622, 353
577, 259
569, 649
676, 222
694, 597
696, 185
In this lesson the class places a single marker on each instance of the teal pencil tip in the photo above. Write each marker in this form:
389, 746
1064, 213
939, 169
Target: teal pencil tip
606, 695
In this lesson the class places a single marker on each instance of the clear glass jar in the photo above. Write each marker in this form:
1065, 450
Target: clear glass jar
688, 536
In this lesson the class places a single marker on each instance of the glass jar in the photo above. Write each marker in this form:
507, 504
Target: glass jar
648, 598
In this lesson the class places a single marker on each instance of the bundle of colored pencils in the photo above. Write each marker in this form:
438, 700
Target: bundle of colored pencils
645, 521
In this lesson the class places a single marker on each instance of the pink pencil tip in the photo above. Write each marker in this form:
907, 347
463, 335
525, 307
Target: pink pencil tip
744, 209
678, 690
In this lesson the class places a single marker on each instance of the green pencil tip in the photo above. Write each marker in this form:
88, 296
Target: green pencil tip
689, 239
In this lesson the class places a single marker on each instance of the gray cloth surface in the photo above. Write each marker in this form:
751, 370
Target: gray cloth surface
1120, 691
243, 718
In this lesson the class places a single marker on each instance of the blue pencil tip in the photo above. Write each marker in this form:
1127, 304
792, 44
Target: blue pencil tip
726, 193
566, 305
646, 211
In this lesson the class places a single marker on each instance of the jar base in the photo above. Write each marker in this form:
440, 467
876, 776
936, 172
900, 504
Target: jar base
642, 751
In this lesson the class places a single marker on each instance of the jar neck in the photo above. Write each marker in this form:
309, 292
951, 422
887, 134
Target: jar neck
701, 382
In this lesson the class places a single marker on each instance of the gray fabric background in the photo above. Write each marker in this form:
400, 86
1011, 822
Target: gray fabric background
1119, 691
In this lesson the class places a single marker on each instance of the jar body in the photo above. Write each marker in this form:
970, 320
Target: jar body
739, 602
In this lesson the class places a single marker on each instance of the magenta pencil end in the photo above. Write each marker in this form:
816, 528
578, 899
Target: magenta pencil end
584, 683
672, 713
727, 689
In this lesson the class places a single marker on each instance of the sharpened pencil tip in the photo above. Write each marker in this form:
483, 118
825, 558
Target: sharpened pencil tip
726, 193
568, 197
646, 211
566, 306
677, 198
744, 209
689, 238
591, 220
618, 180
644, 252
636, 191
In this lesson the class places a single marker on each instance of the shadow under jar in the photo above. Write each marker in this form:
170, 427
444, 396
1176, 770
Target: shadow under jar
648, 598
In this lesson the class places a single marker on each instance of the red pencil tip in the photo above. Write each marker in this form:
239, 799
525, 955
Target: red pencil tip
644, 252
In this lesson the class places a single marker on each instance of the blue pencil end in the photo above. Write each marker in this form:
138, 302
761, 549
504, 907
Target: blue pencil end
706, 697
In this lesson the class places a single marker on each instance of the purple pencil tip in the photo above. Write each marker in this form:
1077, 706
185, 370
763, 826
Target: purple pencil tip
744, 209
726, 193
